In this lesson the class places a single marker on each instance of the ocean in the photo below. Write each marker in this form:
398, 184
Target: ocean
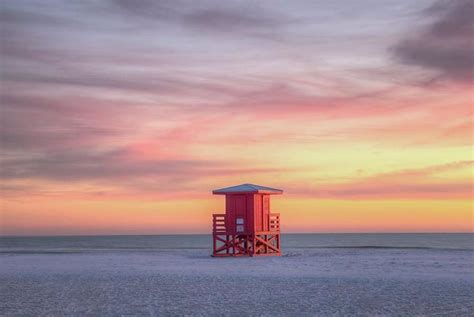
174, 275
58, 244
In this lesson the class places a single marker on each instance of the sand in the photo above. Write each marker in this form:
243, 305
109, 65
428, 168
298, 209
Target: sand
304, 282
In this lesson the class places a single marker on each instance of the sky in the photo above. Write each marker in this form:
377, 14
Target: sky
121, 117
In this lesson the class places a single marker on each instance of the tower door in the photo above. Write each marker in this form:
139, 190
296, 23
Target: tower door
265, 212
240, 212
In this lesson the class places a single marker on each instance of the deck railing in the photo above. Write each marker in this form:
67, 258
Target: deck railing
218, 223
219, 227
274, 222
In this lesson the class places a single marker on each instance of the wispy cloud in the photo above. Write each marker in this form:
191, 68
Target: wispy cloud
237, 18
446, 45
415, 183
126, 98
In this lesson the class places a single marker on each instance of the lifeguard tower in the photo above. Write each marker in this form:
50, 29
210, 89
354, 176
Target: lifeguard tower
248, 227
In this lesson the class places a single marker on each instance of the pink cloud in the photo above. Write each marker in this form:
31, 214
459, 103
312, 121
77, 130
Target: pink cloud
418, 183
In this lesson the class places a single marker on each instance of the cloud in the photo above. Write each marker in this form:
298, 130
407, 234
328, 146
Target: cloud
82, 84
246, 20
32, 122
155, 10
222, 17
401, 191
416, 183
123, 171
93, 164
33, 18
415, 173
446, 46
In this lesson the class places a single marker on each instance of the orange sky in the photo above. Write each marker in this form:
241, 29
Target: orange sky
123, 122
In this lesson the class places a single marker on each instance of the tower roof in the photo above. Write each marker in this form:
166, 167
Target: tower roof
247, 188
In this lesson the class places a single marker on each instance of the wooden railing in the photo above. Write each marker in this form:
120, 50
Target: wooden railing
274, 222
218, 223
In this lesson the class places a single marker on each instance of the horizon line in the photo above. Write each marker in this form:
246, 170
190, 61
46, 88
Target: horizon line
210, 234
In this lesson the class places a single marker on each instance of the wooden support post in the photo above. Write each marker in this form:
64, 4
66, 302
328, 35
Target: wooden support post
253, 245
233, 244
214, 244
278, 242
266, 246
227, 243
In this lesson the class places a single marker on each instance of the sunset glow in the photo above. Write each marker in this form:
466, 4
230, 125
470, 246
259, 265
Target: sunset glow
121, 117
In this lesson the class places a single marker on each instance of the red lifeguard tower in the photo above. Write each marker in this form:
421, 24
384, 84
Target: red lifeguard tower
248, 227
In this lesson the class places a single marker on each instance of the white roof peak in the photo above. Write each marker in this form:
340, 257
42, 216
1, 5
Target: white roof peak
247, 188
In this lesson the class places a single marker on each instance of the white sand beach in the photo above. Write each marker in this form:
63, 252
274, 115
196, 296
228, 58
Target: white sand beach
303, 282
